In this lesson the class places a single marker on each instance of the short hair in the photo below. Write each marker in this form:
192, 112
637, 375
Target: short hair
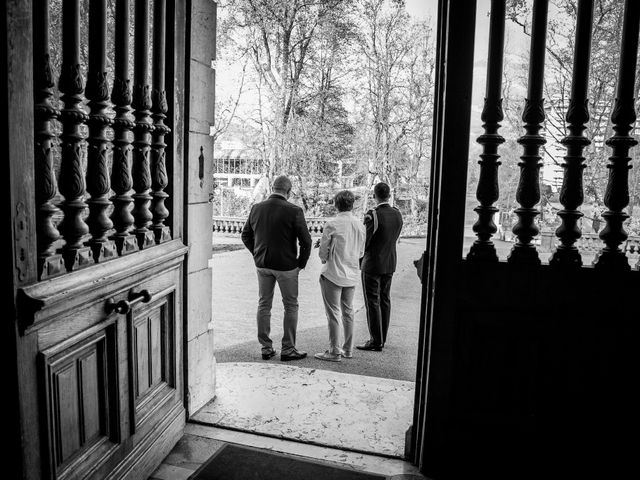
281, 184
382, 191
344, 201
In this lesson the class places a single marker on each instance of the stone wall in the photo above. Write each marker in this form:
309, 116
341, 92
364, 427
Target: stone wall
201, 376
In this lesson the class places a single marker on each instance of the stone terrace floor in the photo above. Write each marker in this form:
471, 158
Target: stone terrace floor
235, 296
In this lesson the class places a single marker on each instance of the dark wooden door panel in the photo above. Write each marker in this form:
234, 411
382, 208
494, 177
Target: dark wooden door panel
153, 358
155, 347
67, 429
526, 366
109, 383
80, 401
115, 229
141, 361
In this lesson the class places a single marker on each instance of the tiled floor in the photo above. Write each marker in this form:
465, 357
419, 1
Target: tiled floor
200, 442
334, 409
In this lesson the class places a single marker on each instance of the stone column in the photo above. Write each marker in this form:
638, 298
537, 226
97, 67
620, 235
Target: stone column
200, 330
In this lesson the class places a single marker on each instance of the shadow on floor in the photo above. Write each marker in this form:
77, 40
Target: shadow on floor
394, 362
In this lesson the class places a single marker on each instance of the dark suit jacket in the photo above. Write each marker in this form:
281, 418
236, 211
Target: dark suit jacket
383, 224
271, 231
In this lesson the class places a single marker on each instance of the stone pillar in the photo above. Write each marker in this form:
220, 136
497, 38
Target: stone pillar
202, 364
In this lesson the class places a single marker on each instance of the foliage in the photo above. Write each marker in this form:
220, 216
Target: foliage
397, 71
605, 53
228, 202
328, 89
604, 60
633, 226
295, 50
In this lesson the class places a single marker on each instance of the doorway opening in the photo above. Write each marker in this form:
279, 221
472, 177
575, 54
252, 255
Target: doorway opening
345, 103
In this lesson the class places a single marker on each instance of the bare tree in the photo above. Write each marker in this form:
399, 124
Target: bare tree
279, 36
607, 26
397, 67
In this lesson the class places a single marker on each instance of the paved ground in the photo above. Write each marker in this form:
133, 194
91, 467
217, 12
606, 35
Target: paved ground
235, 295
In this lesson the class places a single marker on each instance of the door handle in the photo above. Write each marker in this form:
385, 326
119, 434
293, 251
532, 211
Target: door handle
124, 306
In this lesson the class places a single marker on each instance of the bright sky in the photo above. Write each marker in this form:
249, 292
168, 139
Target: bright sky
422, 8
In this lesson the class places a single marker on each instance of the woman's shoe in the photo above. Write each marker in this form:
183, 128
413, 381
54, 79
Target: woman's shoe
328, 356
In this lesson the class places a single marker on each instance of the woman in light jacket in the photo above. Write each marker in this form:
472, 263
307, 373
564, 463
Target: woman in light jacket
341, 247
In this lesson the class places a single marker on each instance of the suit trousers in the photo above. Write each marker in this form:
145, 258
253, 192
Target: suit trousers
338, 304
377, 301
288, 284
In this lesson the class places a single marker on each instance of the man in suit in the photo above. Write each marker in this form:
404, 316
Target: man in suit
270, 233
383, 224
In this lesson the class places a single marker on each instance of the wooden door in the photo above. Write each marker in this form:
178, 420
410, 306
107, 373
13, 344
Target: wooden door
98, 269
525, 366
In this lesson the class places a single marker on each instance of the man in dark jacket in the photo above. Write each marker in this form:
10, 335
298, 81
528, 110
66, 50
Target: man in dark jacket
270, 234
383, 224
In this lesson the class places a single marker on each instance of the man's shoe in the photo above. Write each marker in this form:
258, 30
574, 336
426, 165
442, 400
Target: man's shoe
294, 355
347, 354
370, 346
328, 356
269, 354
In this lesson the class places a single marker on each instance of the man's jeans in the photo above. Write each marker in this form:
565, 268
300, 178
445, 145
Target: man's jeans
288, 284
338, 302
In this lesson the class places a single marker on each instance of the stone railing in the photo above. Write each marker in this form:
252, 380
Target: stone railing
588, 242
233, 225
228, 224
591, 242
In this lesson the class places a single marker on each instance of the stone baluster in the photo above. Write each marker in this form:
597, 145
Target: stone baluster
572, 191
158, 156
616, 196
72, 185
488, 192
98, 184
143, 128
123, 125
50, 263
528, 192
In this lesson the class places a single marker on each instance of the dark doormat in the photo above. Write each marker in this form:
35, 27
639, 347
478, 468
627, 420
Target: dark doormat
237, 462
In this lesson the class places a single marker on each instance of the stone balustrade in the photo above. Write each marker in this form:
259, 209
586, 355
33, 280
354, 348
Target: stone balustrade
228, 224
591, 242
588, 243
233, 225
